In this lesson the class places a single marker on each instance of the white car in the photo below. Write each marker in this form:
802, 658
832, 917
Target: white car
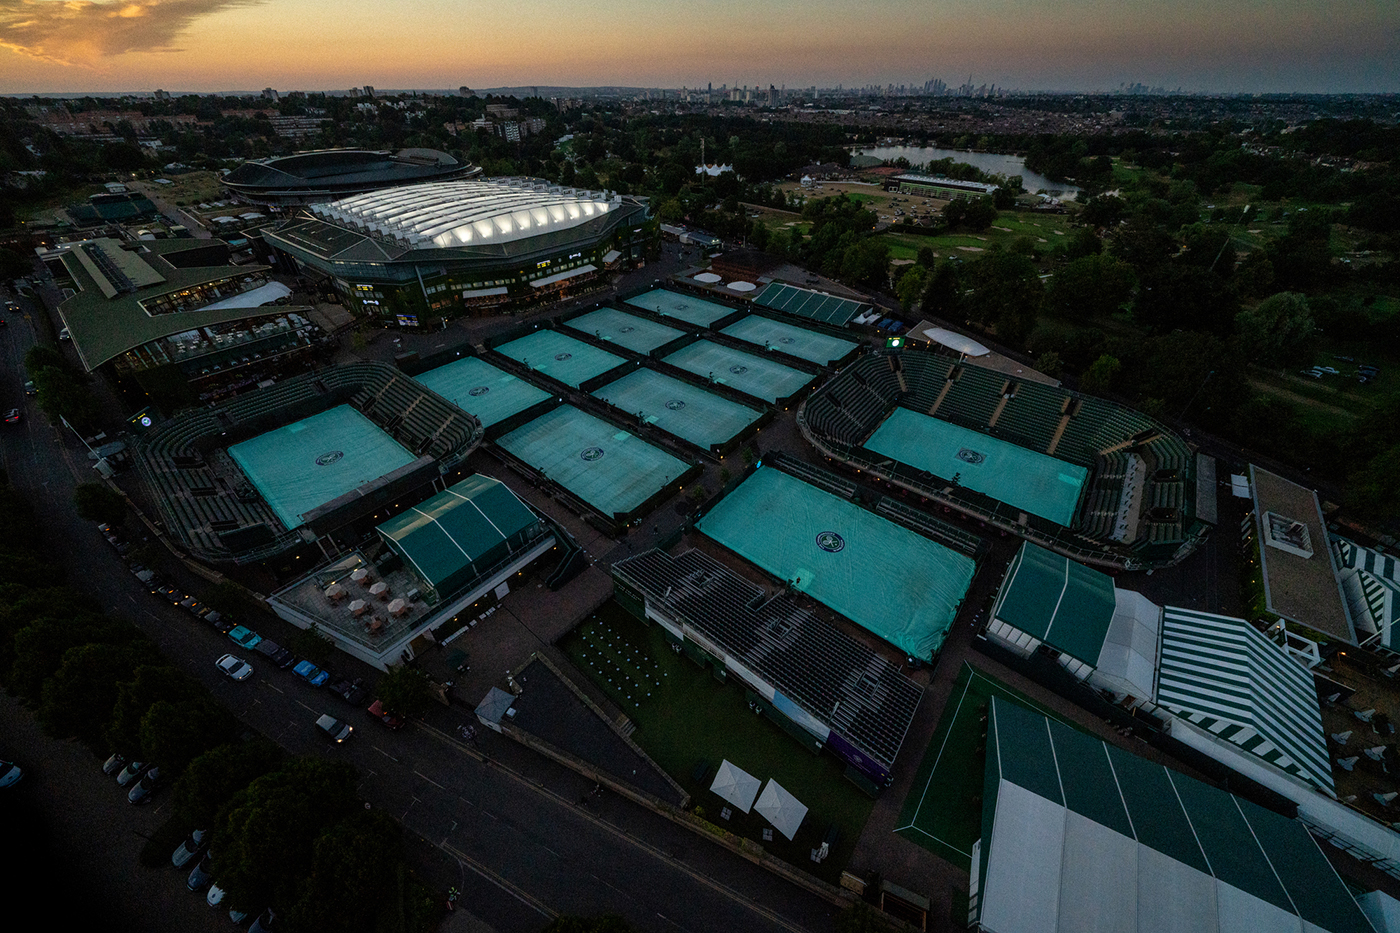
192, 846
215, 897
234, 668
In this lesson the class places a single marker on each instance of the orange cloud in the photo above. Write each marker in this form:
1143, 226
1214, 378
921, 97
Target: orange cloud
84, 32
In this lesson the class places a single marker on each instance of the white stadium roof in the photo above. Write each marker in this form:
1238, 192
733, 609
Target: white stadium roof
468, 213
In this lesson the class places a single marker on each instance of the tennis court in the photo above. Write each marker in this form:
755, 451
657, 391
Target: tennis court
638, 334
686, 308
480, 389
1022, 478
753, 375
943, 812
789, 338
306, 464
612, 470
678, 408
565, 358
882, 576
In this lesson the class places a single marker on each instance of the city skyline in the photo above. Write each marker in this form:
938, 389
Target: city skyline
205, 46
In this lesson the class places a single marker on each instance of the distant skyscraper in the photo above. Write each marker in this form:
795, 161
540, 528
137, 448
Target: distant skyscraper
269, 93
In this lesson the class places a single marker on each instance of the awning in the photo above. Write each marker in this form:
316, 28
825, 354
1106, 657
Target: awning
780, 808
253, 298
484, 292
709, 278
1239, 486
561, 276
955, 341
610, 257
736, 785
741, 286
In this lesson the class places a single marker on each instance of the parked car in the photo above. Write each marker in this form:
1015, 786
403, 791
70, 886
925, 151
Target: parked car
113, 765
390, 719
337, 730
30, 388
244, 637
264, 923
13, 416
219, 621
171, 595
142, 790
275, 653
199, 877
10, 773
349, 690
215, 897
311, 673
131, 772
190, 605
192, 846
234, 668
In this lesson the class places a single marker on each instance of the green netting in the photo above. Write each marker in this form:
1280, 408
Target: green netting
307, 464
678, 408
637, 334
750, 374
885, 578
1040, 484
688, 308
612, 470
565, 358
481, 389
789, 338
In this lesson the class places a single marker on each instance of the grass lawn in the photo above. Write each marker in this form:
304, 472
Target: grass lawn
943, 812
685, 716
1045, 232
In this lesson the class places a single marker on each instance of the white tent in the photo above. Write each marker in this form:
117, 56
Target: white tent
956, 341
709, 278
736, 785
780, 808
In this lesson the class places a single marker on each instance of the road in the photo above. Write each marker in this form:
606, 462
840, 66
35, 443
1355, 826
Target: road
509, 826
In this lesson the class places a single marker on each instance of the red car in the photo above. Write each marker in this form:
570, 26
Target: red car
392, 720
12, 416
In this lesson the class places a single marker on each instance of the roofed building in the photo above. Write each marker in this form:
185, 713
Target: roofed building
443, 248
947, 189
1371, 585
1081, 835
310, 177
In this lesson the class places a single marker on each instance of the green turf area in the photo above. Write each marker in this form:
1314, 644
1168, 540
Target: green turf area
1044, 231
943, 812
685, 716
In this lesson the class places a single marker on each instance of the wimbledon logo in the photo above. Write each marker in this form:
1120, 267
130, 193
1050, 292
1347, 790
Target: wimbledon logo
830, 542
330, 457
591, 453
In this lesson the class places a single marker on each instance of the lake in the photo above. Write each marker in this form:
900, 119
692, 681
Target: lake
994, 162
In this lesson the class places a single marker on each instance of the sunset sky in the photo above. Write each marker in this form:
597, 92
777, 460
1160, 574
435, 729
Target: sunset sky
215, 45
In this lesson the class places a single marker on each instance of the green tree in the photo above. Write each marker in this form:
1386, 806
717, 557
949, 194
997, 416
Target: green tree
265, 838
212, 778
98, 502
1098, 378
1005, 292
943, 292
980, 214
355, 877
310, 644
40, 646
406, 690
1094, 286
151, 684
1371, 489
1279, 331
175, 733
911, 286
78, 699
1049, 363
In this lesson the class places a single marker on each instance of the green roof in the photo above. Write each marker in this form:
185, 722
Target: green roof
1064, 604
103, 328
461, 532
1083, 819
806, 303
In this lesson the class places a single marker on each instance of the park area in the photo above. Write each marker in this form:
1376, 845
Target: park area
689, 722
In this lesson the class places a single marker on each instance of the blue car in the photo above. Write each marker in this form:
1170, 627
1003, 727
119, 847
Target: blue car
244, 637
311, 673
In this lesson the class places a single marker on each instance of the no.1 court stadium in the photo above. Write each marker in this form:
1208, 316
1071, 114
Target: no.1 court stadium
1042, 485
882, 576
311, 462
613, 471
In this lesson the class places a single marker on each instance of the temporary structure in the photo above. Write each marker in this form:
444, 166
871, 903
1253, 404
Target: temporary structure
736, 785
780, 808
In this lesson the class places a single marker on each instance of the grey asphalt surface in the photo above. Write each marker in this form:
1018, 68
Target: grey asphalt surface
509, 832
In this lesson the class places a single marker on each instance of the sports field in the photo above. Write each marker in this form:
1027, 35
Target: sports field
789, 338
612, 470
882, 576
686, 308
753, 375
943, 812
565, 358
636, 333
1041, 485
306, 464
677, 407
481, 389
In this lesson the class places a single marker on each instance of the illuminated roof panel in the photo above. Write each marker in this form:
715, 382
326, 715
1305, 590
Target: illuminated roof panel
465, 213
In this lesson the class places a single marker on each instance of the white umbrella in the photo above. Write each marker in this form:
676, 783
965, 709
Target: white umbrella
736, 785
780, 808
